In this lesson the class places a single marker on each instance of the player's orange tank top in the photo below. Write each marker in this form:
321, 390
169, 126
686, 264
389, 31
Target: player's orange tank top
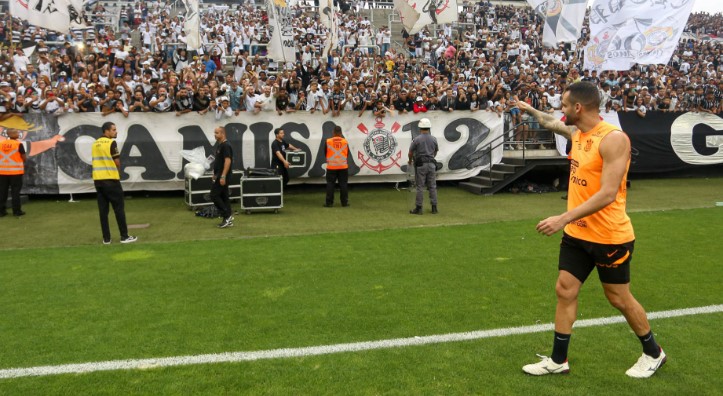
610, 225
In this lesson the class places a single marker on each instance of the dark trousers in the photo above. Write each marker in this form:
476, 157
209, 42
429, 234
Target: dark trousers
13, 183
220, 198
332, 175
111, 192
284, 173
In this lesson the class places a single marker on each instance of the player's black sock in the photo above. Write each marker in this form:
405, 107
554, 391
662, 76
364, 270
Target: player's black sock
559, 347
650, 347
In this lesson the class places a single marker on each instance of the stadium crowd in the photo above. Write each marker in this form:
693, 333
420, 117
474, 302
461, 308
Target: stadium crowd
489, 61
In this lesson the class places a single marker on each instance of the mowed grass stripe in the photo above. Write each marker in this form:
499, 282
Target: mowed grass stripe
235, 357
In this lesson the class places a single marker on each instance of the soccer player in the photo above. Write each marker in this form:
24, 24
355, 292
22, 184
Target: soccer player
597, 231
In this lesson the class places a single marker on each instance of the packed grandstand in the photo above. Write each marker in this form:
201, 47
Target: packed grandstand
131, 57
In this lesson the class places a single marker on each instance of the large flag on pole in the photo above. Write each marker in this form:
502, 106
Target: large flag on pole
192, 25
281, 42
643, 33
563, 21
48, 14
427, 12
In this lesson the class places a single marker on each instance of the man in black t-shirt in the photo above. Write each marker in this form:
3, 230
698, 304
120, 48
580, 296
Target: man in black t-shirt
221, 173
278, 154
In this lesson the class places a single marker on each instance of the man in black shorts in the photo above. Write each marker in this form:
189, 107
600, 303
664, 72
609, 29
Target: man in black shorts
597, 230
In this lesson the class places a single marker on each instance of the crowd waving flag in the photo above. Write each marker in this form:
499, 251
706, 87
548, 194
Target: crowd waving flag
416, 14
634, 32
49, 14
563, 21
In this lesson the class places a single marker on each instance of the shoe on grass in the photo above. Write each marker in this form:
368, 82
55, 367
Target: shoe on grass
546, 366
647, 365
129, 239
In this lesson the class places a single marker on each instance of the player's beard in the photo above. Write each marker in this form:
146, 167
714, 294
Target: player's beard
570, 119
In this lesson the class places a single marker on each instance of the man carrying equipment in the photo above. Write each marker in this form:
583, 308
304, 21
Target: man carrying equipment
421, 155
597, 231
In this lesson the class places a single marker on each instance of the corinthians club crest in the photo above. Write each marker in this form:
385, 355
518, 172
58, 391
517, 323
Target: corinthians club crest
380, 146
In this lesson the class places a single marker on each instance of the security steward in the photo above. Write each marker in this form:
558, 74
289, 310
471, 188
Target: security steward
337, 168
106, 177
421, 153
12, 169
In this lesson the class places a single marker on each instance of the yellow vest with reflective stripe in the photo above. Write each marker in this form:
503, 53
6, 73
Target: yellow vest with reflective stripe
11, 162
103, 165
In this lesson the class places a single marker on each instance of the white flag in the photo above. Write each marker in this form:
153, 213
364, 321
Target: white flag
49, 14
192, 25
563, 21
540, 6
645, 33
281, 42
407, 14
327, 16
416, 14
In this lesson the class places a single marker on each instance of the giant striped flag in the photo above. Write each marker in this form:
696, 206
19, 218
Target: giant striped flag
563, 21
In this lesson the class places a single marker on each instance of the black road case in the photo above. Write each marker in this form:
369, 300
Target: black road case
198, 192
262, 193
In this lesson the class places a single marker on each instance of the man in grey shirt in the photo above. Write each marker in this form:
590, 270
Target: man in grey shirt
421, 153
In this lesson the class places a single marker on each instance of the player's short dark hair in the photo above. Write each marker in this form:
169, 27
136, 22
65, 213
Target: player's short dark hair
584, 93
276, 131
107, 126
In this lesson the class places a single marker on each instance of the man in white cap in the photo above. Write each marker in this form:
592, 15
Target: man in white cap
421, 155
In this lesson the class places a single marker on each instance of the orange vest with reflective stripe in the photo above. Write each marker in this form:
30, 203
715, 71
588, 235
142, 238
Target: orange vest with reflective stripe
611, 224
11, 161
337, 150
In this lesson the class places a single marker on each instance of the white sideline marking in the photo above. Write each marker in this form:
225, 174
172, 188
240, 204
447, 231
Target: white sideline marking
232, 357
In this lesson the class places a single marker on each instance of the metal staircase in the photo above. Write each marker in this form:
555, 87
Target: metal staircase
514, 164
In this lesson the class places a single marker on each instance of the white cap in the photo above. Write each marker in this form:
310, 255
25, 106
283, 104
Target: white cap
424, 123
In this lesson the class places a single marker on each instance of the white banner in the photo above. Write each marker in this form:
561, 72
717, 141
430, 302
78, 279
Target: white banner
49, 14
192, 25
642, 32
407, 14
563, 21
150, 145
282, 47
